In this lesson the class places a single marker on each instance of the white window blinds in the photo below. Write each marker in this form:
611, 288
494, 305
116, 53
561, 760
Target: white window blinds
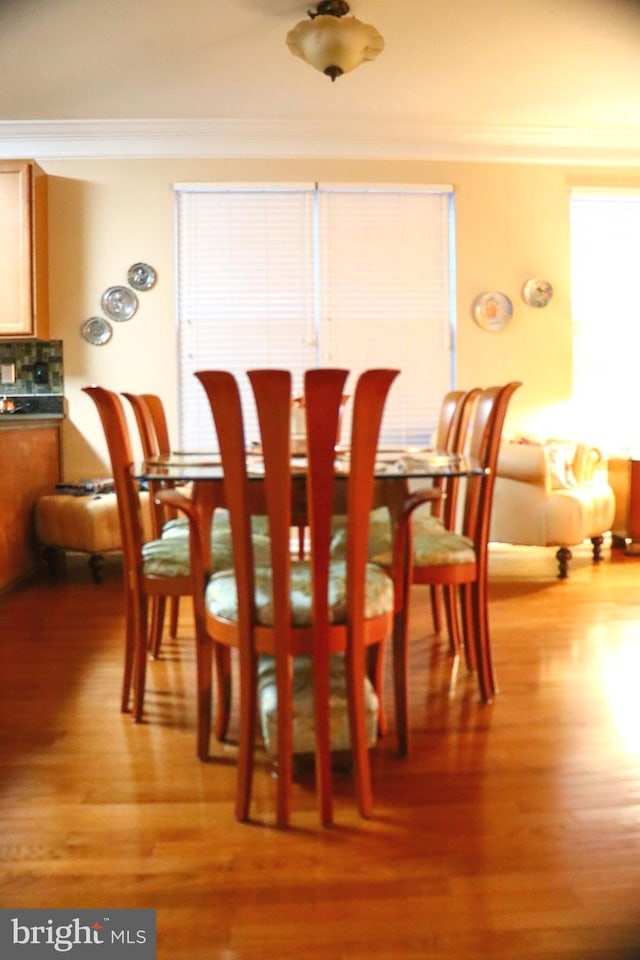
302, 276
605, 239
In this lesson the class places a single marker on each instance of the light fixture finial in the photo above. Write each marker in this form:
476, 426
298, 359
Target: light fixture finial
332, 42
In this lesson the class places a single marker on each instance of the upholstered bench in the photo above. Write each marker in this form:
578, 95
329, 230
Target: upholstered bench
86, 524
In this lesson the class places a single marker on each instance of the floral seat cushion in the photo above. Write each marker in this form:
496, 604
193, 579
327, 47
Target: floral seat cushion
221, 600
303, 721
169, 556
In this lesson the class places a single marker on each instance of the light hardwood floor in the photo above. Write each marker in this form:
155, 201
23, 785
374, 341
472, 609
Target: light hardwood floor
512, 831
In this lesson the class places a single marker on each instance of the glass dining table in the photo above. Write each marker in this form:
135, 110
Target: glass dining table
402, 474
393, 464
398, 470
399, 474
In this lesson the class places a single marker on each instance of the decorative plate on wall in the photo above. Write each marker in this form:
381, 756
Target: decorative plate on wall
141, 276
537, 293
119, 303
492, 311
96, 330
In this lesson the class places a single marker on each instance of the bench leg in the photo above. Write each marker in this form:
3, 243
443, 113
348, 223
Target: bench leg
54, 559
597, 548
96, 563
563, 556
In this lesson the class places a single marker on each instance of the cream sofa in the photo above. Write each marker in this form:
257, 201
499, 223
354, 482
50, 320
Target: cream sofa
552, 494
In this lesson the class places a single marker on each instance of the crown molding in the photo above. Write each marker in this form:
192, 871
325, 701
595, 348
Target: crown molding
161, 139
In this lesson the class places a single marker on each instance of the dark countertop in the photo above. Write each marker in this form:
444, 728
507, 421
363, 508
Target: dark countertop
32, 407
12, 422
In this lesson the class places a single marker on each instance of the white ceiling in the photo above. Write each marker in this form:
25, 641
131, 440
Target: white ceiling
538, 76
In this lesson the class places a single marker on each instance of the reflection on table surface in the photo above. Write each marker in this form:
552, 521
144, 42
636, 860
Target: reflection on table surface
391, 462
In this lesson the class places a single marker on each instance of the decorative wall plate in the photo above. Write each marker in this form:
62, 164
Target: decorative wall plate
96, 330
119, 303
141, 276
492, 311
537, 293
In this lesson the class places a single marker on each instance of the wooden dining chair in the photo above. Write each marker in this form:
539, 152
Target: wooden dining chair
304, 624
154, 439
457, 560
157, 568
450, 437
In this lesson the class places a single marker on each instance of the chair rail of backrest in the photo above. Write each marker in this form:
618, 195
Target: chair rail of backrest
144, 422
486, 429
491, 452
144, 405
116, 431
449, 415
461, 404
156, 409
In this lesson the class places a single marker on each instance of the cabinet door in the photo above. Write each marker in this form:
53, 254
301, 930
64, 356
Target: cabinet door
30, 459
23, 280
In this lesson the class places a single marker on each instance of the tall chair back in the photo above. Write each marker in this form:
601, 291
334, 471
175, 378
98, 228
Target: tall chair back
150, 448
456, 560
154, 440
306, 610
451, 436
151, 569
158, 416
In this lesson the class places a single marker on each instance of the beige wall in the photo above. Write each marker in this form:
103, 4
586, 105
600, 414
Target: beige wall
511, 224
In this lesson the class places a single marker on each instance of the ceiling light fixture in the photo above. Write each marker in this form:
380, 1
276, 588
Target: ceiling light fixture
332, 42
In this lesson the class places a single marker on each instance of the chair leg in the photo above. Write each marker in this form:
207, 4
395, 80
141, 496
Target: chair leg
140, 653
375, 672
248, 715
128, 654
453, 620
486, 676
175, 612
203, 674
158, 606
400, 675
597, 548
322, 736
563, 556
357, 729
222, 657
436, 608
468, 626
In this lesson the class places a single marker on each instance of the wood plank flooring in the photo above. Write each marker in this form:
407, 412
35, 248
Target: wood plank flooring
512, 831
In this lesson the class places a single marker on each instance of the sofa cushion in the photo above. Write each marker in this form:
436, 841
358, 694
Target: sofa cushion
560, 455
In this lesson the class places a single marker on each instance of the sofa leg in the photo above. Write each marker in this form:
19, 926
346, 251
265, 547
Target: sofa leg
563, 556
597, 548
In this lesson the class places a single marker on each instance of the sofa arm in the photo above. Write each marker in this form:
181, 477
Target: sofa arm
588, 464
524, 462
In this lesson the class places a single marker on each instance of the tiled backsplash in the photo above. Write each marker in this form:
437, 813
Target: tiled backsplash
34, 360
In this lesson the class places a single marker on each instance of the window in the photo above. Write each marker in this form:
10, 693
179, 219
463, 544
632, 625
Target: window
605, 239
311, 275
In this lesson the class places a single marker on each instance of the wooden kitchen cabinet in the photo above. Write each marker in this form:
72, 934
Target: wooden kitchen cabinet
624, 477
30, 457
24, 307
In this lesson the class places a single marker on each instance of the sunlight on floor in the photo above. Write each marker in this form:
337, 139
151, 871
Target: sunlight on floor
620, 671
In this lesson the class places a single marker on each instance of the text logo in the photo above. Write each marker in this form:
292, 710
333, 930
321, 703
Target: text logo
79, 934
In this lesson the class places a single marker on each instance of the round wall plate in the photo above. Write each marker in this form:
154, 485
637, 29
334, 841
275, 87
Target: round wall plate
119, 303
141, 276
96, 330
492, 311
537, 293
